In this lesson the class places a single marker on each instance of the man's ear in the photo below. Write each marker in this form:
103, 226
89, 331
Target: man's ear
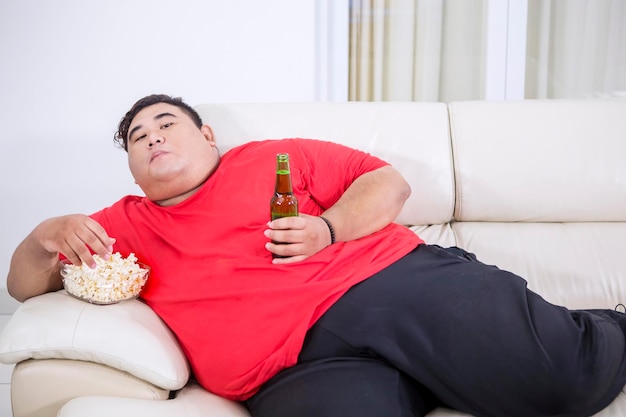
208, 134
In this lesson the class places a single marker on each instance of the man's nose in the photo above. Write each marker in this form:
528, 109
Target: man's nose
155, 137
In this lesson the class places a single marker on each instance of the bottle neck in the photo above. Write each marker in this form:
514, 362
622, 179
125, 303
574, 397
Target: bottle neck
283, 176
283, 183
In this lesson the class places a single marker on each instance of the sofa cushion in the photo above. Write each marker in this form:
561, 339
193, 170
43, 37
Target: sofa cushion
413, 137
539, 160
577, 265
128, 336
193, 401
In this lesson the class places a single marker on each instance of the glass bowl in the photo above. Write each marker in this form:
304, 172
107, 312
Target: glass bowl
104, 284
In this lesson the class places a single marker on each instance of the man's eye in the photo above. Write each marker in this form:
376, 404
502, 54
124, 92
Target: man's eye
138, 138
166, 125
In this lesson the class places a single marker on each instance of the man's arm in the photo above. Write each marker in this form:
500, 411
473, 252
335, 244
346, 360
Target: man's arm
370, 203
35, 268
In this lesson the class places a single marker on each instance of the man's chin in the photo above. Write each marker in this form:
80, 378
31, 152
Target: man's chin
173, 195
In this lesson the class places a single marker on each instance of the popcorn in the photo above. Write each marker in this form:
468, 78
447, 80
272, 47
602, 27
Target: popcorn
111, 281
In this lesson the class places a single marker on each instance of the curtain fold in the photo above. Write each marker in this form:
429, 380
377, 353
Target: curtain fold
435, 50
417, 50
576, 49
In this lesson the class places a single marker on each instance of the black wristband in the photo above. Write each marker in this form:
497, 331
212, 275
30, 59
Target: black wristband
330, 228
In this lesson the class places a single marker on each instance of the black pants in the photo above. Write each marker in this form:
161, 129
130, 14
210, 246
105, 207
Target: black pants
440, 328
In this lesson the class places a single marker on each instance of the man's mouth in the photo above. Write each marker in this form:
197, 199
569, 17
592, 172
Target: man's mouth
156, 154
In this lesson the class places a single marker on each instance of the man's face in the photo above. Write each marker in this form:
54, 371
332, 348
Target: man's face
168, 155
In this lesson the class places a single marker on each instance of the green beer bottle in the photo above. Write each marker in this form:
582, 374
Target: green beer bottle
283, 203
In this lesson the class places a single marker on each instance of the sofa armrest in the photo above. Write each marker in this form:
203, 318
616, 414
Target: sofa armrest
193, 401
40, 387
127, 336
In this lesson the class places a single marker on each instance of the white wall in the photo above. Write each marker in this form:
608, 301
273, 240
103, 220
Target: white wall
69, 69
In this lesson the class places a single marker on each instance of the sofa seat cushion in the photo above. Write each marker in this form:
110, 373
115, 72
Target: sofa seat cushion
578, 265
127, 336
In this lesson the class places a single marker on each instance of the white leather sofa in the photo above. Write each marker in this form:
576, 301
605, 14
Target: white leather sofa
535, 187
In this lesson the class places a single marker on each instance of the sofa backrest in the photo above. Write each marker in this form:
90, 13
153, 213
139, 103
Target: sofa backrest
535, 187
541, 191
413, 137
540, 161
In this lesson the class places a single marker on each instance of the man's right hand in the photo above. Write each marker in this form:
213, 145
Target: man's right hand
35, 265
76, 236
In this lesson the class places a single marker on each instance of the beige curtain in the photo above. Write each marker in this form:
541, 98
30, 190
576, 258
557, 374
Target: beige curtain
576, 49
417, 50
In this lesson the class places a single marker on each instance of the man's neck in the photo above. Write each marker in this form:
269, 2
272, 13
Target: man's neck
179, 198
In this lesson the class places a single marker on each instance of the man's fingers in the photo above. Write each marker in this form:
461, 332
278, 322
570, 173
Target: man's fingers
291, 252
292, 222
76, 236
77, 250
285, 236
104, 246
302, 236
289, 260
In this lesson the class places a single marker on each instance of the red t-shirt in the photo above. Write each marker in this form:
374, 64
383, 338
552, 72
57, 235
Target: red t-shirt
239, 318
